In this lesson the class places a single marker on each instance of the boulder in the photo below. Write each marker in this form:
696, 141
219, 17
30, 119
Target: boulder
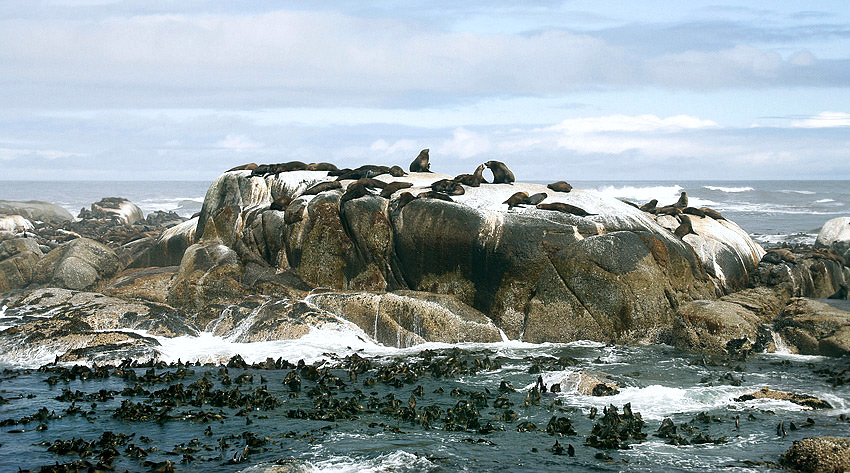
209, 273
84, 326
15, 224
799, 399
78, 264
814, 328
35, 210
262, 318
815, 273
818, 454
148, 284
727, 326
169, 247
835, 236
18, 258
587, 383
114, 209
406, 318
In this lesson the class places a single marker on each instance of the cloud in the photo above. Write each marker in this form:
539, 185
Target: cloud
7, 154
238, 143
465, 144
824, 120
289, 58
386, 148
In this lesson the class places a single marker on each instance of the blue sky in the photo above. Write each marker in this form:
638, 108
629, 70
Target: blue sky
101, 89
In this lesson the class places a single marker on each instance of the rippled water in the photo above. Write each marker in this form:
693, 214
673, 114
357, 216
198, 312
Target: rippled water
658, 381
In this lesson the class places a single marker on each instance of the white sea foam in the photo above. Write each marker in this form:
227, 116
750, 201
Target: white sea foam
729, 189
775, 239
666, 195
397, 461
824, 201
787, 191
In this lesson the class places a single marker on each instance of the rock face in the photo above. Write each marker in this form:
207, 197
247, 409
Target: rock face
730, 324
408, 318
835, 236
209, 273
616, 275
801, 399
805, 273
78, 264
115, 209
15, 224
169, 247
819, 454
18, 258
85, 326
35, 210
814, 328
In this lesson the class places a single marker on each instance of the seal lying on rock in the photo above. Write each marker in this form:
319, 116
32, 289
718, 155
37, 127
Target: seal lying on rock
518, 198
685, 227
448, 187
244, 167
322, 187
392, 187
560, 186
435, 195
565, 208
472, 180
649, 206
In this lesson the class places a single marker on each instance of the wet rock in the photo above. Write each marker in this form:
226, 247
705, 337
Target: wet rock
78, 264
814, 328
587, 383
117, 210
406, 318
169, 247
164, 219
209, 273
801, 399
835, 236
805, 272
615, 430
18, 258
818, 454
35, 210
150, 284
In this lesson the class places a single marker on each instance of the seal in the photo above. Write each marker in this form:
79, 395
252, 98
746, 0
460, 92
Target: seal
685, 227
712, 213
472, 180
693, 211
560, 186
396, 171
501, 173
354, 190
404, 199
536, 198
244, 167
392, 187
565, 208
367, 170
435, 195
649, 206
421, 164
281, 203
321, 167
668, 210
322, 187
518, 198
447, 186
629, 203
682, 202
369, 182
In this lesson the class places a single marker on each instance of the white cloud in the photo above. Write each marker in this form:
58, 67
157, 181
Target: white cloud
382, 146
465, 144
824, 120
15, 153
238, 143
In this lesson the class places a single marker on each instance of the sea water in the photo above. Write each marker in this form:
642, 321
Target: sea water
657, 381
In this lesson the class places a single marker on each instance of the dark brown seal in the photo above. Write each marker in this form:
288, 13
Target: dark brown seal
448, 187
321, 167
354, 190
322, 187
421, 164
535, 199
472, 180
565, 208
560, 186
693, 211
392, 187
435, 195
373, 183
281, 203
244, 167
404, 199
501, 173
649, 206
685, 227
682, 202
518, 198
712, 213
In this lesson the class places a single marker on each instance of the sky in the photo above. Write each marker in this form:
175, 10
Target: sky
558, 90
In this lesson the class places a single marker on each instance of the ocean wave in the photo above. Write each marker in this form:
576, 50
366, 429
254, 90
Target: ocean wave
790, 191
729, 189
824, 201
779, 238
398, 461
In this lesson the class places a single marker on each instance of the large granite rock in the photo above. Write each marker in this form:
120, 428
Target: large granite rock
408, 318
209, 274
819, 454
84, 326
169, 247
814, 328
814, 273
114, 209
616, 275
731, 325
15, 224
148, 284
835, 236
18, 257
35, 210
78, 264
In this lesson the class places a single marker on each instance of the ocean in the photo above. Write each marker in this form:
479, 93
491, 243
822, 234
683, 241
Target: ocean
348, 420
